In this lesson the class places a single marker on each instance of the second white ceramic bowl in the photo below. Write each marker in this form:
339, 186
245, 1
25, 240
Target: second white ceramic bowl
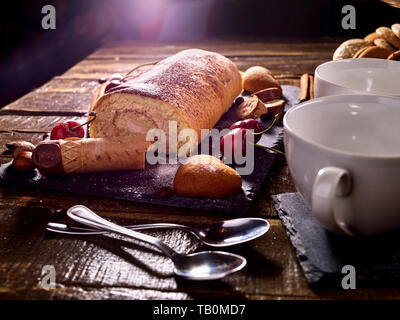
343, 153
358, 76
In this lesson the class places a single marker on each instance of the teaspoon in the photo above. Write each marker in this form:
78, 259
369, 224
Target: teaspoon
221, 234
205, 265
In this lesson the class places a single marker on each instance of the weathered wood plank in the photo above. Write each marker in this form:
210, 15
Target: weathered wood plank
74, 101
32, 123
287, 75
95, 69
132, 49
114, 262
100, 262
52, 101
284, 60
66, 84
73, 90
69, 85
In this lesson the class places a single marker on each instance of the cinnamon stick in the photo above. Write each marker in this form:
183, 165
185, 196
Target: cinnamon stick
311, 89
306, 87
304, 81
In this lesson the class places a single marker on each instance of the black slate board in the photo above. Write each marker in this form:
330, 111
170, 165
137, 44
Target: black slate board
322, 254
142, 185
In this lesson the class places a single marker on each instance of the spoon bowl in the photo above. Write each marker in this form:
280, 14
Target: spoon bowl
208, 265
231, 232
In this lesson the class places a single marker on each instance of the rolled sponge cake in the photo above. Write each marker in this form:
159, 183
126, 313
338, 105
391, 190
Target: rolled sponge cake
193, 87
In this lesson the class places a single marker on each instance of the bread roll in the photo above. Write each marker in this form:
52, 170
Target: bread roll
193, 87
206, 176
257, 78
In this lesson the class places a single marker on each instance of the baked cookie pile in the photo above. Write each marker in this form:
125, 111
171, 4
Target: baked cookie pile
383, 43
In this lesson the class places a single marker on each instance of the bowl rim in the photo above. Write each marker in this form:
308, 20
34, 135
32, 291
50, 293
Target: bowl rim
339, 98
356, 61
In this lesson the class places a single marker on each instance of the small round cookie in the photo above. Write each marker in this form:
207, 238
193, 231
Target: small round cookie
257, 78
371, 37
387, 34
359, 52
348, 48
395, 56
396, 29
375, 52
384, 44
206, 176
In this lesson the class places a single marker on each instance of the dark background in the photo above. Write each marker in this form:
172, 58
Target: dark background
30, 55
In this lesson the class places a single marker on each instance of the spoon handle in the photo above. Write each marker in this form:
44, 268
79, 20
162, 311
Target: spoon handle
87, 217
63, 228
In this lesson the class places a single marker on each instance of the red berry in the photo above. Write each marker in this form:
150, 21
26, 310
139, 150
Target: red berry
112, 84
249, 124
63, 130
235, 139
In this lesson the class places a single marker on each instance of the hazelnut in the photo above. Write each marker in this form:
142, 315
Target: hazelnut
19, 146
23, 161
251, 108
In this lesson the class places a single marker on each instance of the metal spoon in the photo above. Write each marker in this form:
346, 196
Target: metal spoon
222, 234
206, 265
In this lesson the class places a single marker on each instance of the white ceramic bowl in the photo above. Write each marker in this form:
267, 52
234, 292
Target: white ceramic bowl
358, 76
343, 153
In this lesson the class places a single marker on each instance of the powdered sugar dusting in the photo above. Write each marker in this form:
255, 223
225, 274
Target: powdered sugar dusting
190, 75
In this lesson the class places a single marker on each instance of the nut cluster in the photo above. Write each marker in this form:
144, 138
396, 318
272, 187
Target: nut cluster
268, 101
383, 43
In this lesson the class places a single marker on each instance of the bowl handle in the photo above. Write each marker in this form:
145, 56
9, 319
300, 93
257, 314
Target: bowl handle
330, 182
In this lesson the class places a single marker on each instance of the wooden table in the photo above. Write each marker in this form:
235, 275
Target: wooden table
104, 268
